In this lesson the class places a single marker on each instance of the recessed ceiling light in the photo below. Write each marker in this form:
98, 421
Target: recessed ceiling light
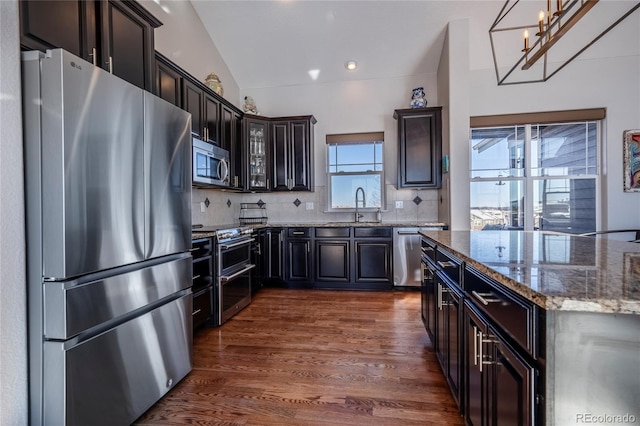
351, 65
314, 74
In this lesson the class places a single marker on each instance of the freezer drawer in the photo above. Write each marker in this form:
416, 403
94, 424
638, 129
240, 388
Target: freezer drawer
72, 307
114, 377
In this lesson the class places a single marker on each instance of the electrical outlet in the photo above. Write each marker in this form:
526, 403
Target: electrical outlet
309, 205
399, 204
203, 207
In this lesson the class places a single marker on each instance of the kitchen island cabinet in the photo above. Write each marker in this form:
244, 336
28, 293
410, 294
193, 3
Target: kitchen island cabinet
550, 326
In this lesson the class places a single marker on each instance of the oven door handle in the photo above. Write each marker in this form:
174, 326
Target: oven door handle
238, 244
225, 278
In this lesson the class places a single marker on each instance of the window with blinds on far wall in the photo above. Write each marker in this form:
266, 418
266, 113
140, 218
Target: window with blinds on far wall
536, 171
355, 161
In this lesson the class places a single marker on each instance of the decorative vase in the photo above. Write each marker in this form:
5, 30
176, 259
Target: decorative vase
213, 82
250, 105
417, 98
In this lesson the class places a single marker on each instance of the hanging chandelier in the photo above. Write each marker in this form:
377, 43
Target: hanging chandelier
544, 54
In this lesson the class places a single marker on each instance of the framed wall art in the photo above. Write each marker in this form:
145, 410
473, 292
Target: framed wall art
631, 164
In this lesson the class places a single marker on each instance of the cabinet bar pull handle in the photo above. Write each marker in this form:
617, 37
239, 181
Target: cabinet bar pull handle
94, 57
110, 62
268, 185
447, 264
427, 248
194, 249
439, 297
481, 297
298, 232
196, 312
475, 345
480, 354
195, 277
308, 247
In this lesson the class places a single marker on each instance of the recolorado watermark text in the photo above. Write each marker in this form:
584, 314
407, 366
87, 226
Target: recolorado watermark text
590, 418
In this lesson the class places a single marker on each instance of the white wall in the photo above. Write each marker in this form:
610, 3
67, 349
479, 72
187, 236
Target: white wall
13, 302
349, 107
612, 83
183, 39
453, 83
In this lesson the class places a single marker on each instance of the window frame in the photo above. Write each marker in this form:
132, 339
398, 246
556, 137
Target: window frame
337, 140
529, 180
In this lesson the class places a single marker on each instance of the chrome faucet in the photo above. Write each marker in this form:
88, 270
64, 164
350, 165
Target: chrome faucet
364, 203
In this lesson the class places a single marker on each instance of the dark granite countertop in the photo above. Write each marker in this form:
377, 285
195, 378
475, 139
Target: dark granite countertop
555, 271
212, 233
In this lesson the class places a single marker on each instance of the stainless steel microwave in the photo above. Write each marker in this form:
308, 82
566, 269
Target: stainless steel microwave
210, 164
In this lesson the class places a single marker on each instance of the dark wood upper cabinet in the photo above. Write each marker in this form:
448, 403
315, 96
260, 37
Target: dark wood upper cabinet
127, 42
255, 144
114, 35
193, 102
230, 122
67, 24
292, 144
419, 147
168, 81
211, 119
205, 111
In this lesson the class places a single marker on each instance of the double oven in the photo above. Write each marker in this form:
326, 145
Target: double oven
234, 252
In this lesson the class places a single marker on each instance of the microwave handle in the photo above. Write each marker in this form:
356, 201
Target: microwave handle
223, 170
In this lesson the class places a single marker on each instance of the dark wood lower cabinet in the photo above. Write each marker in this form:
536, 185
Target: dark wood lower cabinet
448, 337
273, 256
333, 259
339, 258
499, 382
373, 261
299, 260
202, 288
202, 307
428, 303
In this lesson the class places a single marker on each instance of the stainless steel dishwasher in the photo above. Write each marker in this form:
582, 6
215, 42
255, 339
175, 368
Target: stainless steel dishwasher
406, 255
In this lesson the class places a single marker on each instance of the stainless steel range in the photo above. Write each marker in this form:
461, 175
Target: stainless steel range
233, 255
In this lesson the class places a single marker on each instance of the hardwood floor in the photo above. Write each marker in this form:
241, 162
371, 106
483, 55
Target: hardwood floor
311, 357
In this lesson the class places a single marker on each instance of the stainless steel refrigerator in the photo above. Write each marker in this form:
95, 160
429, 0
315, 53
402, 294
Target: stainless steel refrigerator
108, 190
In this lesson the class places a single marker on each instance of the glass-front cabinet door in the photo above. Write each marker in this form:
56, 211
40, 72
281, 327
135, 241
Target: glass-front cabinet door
256, 134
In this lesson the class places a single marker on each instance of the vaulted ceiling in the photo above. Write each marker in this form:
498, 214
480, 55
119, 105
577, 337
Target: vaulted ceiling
278, 43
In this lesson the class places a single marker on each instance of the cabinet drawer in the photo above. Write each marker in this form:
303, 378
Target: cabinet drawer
202, 273
513, 315
428, 249
202, 307
372, 232
343, 232
201, 247
299, 232
450, 265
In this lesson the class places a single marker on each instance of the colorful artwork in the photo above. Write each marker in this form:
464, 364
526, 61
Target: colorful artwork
631, 166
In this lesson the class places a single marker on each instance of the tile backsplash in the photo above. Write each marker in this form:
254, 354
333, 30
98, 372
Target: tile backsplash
281, 207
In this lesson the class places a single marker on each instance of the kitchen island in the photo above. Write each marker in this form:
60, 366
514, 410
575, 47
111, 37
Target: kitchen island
541, 328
